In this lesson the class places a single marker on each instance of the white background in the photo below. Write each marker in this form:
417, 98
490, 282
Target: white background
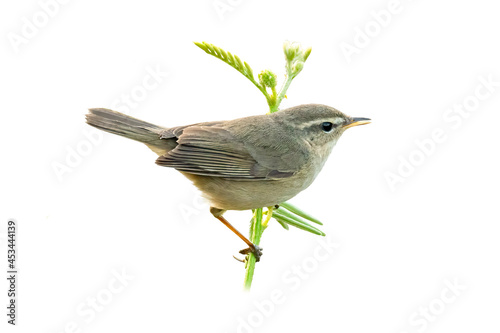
116, 211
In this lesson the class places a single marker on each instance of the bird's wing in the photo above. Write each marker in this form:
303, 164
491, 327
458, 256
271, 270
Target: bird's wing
215, 151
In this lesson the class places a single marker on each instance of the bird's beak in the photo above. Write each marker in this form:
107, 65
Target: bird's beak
357, 122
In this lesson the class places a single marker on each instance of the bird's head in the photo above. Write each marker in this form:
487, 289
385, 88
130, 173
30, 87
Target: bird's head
317, 124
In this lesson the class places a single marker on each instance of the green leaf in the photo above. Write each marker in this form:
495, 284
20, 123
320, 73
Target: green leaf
233, 61
223, 54
298, 224
296, 210
202, 46
249, 69
292, 216
230, 59
283, 224
238, 60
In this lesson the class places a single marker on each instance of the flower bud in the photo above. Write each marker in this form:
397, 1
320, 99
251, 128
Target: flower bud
289, 50
297, 67
295, 52
307, 53
267, 79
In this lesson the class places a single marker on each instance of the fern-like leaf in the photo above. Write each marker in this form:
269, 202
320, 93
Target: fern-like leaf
232, 60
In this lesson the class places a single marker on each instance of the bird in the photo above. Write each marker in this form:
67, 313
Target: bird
245, 163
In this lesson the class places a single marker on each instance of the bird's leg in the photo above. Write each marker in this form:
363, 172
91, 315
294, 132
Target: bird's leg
252, 248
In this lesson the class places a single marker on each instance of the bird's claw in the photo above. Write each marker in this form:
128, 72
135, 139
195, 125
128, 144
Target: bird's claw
240, 260
256, 250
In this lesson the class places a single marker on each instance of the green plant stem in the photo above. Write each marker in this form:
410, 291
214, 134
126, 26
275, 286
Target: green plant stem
256, 230
262, 89
282, 94
277, 99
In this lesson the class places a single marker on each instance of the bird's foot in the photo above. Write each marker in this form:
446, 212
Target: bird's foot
256, 250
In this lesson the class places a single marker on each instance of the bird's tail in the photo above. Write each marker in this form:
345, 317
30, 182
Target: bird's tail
129, 127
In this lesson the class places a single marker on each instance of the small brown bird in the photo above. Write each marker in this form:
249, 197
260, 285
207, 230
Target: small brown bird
245, 163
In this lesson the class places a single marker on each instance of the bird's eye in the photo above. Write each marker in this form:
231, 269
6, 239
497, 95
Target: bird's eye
327, 126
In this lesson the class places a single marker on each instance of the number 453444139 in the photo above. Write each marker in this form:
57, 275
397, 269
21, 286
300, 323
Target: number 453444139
11, 244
